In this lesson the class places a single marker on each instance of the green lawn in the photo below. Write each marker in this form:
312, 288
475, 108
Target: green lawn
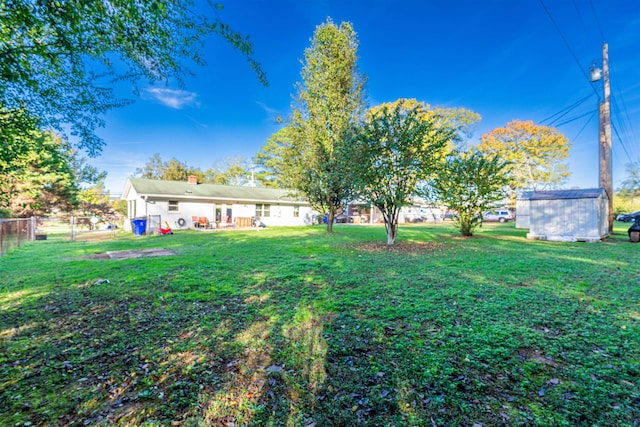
295, 327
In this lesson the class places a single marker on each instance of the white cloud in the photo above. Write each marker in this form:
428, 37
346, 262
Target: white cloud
173, 98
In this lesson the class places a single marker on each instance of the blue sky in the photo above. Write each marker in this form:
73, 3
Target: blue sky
504, 59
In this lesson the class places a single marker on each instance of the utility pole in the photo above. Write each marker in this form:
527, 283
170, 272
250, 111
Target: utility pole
606, 180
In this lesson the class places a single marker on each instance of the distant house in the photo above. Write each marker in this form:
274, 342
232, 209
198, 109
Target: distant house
564, 215
418, 211
185, 204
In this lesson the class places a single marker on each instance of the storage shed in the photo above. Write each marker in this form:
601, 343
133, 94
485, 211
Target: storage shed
566, 215
523, 210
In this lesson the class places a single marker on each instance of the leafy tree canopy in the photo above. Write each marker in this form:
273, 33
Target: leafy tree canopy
172, 170
329, 102
96, 200
271, 160
630, 187
461, 121
42, 177
470, 183
398, 145
631, 183
231, 171
58, 58
537, 154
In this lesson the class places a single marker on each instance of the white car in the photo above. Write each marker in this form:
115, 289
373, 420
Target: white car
500, 215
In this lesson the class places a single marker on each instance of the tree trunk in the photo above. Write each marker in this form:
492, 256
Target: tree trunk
465, 229
391, 226
332, 215
392, 231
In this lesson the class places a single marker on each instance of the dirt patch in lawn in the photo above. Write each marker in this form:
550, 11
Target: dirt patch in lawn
140, 253
402, 247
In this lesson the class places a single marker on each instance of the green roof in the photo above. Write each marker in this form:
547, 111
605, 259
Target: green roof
153, 188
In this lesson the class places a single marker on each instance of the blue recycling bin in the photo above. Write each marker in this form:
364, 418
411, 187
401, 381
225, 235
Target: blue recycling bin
139, 226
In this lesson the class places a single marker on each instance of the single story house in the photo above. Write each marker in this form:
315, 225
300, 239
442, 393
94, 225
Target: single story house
564, 215
183, 204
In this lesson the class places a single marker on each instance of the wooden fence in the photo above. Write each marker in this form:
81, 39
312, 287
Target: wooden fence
15, 231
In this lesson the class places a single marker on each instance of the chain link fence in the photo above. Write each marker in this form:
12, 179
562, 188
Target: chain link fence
15, 231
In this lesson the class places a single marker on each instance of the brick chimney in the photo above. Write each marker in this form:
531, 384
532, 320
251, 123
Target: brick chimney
192, 179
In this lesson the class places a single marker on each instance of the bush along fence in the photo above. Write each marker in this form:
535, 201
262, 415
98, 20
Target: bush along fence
15, 231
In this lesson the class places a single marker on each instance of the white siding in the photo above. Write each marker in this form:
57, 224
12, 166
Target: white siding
523, 213
189, 208
284, 215
567, 219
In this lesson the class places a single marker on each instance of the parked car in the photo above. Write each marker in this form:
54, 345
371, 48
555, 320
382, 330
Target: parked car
449, 215
342, 218
630, 217
500, 215
634, 230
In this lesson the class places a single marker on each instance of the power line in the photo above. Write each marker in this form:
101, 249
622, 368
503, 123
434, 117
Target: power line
573, 119
593, 113
620, 140
621, 124
585, 27
566, 110
595, 15
620, 115
573, 55
619, 92
627, 130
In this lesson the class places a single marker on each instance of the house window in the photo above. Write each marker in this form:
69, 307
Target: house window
173, 206
263, 210
296, 211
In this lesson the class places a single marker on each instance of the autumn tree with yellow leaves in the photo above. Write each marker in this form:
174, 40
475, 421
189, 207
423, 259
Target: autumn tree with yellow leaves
537, 154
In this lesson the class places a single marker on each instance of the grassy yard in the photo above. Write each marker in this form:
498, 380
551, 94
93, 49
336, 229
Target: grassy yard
295, 327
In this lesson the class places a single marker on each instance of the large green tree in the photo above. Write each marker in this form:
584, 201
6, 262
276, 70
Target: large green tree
271, 162
95, 200
58, 59
630, 187
329, 102
537, 154
398, 145
462, 121
41, 178
469, 183
231, 171
171, 170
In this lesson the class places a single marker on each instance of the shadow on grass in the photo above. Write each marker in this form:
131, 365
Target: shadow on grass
308, 329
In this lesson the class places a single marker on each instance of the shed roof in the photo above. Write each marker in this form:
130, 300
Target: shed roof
185, 190
588, 193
